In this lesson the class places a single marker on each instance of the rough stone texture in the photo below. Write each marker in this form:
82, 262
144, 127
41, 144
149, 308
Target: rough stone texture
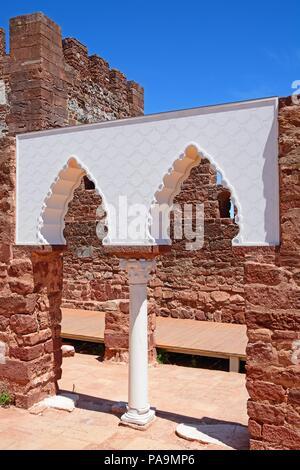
117, 328
205, 284
95, 92
44, 83
272, 310
91, 275
30, 324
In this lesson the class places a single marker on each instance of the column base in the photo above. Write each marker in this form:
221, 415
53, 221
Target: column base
139, 418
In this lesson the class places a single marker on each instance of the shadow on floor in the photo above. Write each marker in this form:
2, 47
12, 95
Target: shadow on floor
234, 434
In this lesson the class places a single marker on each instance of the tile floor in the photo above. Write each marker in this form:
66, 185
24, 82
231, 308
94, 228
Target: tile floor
180, 394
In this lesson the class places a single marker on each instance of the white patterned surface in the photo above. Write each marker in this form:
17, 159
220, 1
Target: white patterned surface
131, 157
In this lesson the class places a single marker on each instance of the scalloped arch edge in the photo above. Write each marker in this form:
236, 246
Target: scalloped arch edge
172, 182
50, 223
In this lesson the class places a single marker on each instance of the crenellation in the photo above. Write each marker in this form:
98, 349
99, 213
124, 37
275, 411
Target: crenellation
99, 70
118, 80
2, 42
135, 97
76, 54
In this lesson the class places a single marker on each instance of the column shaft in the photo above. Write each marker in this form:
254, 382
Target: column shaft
138, 348
138, 409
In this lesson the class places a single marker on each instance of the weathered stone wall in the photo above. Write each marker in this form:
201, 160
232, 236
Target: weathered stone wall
273, 309
116, 336
224, 283
205, 284
96, 92
30, 317
44, 83
91, 275
31, 281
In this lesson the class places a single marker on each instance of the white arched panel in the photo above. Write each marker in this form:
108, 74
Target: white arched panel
139, 159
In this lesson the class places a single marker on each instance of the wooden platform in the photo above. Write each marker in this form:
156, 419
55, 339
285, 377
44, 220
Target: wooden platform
211, 339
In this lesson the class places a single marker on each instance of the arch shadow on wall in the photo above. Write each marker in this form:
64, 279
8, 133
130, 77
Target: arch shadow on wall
176, 176
51, 223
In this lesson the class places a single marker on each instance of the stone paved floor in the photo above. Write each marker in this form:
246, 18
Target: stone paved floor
180, 394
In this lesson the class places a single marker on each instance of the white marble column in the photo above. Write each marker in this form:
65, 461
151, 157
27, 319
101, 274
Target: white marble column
138, 408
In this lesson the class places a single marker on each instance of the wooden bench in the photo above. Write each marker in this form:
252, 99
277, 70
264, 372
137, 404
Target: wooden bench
201, 338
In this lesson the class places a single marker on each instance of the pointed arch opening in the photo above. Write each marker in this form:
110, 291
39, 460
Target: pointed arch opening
171, 186
51, 223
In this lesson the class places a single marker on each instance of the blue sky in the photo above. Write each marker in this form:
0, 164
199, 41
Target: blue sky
186, 53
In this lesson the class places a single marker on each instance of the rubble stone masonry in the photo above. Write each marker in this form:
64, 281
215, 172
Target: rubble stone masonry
46, 82
205, 284
272, 309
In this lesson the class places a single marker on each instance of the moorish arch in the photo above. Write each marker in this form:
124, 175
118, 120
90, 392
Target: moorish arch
134, 158
172, 183
51, 223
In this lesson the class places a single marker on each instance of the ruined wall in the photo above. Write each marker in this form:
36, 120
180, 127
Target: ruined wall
31, 281
91, 275
224, 283
205, 284
273, 309
213, 288
96, 92
44, 83
40, 87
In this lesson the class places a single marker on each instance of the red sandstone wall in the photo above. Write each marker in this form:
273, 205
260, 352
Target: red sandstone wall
37, 89
31, 282
206, 284
95, 92
273, 310
91, 276
44, 83
222, 283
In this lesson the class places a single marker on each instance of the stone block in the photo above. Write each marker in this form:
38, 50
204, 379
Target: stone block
285, 436
263, 412
68, 350
268, 391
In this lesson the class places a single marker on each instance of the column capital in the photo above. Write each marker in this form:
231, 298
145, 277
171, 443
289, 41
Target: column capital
138, 269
